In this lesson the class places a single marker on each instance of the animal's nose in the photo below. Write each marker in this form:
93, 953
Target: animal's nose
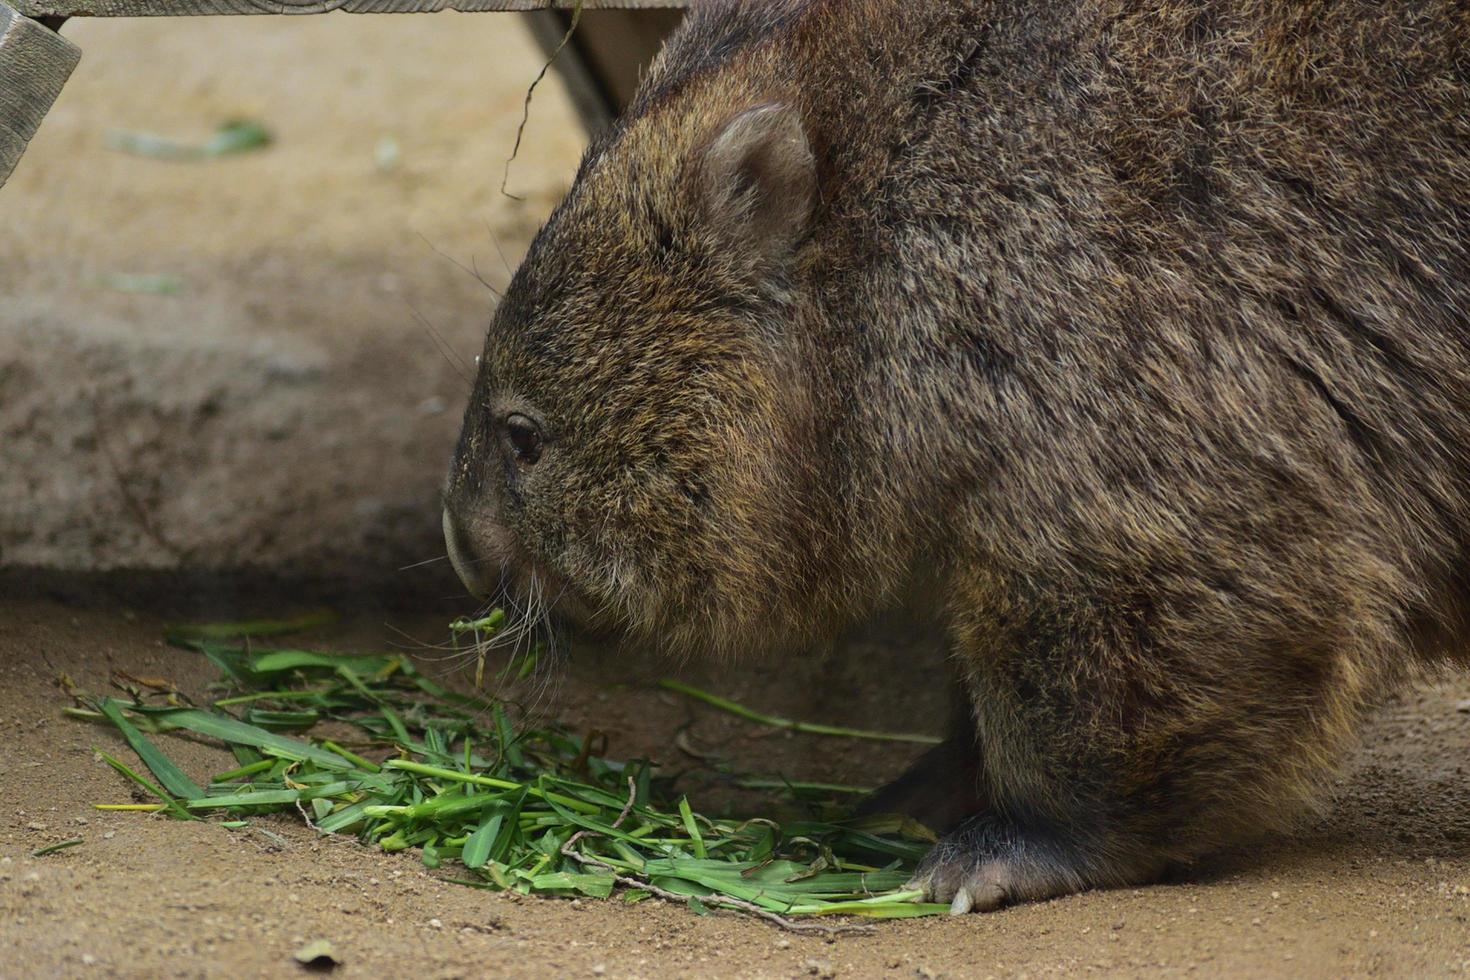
472, 570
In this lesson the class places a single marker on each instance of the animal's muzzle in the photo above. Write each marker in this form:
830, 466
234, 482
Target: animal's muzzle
473, 570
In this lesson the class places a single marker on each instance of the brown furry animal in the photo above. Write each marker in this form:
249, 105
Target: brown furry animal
1128, 340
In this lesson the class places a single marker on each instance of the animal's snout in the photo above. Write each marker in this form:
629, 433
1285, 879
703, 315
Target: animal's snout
473, 569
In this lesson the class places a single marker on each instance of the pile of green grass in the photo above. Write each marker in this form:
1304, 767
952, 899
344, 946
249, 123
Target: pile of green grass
370, 747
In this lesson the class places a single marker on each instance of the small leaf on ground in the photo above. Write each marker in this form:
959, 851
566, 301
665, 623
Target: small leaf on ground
155, 284
232, 136
317, 955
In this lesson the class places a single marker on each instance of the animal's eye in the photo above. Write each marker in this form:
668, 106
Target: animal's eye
524, 438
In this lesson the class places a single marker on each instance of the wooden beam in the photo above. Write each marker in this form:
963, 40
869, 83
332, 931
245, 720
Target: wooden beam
615, 43
178, 8
605, 59
34, 63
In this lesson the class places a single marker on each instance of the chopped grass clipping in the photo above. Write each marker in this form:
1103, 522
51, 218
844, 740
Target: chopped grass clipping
411, 765
153, 284
58, 846
806, 727
230, 137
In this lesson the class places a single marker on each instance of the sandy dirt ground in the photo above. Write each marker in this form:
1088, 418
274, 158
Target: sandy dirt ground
286, 405
283, 416
1380, 886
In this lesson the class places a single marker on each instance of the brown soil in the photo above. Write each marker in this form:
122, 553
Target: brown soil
288, 408
285, 416
1381, 886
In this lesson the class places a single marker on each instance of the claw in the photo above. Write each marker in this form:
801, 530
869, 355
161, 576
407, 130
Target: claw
962, 902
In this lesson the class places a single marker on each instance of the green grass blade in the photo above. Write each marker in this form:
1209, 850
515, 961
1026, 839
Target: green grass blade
142, 283
170, 804
344, 819
263, 797
774, 721
237, 136
593, 885
691, 828
275, 661
477, 848
441, 773
227, 729
351, 757
250, 627
229, 776
170, 775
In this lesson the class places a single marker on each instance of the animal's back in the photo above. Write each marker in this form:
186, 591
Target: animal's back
1246, 222
1197, 268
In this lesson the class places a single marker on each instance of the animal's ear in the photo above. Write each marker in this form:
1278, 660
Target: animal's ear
757, 179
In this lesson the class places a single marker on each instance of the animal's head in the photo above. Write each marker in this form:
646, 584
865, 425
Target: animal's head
641, 448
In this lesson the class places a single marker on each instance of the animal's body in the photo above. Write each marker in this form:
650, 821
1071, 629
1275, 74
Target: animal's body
1129, 341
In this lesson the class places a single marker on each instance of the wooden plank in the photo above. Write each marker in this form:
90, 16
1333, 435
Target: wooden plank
605, 59
619, 46
179, 8
35, 62
584, 88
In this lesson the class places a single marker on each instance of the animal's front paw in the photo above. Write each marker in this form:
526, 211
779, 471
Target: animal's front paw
964, 884
987, 863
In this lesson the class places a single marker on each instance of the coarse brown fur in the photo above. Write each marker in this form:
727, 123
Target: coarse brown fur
1128, 340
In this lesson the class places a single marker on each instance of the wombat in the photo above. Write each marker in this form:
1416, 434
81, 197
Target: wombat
1128, 342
